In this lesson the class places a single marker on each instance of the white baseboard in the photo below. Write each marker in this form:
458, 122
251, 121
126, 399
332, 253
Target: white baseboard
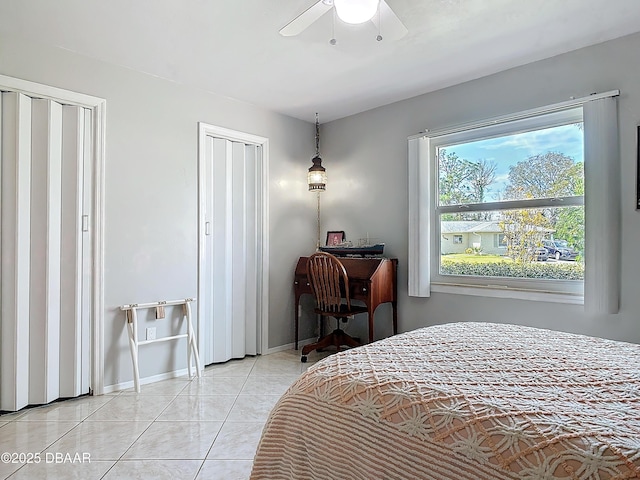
289, 346
178, 373
143, 381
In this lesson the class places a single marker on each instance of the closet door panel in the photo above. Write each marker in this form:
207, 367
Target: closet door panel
238, 277
15, 251
46, 183
87, 226
221, 249
206, 272
71, 313
45, 218
230, 287
250, 251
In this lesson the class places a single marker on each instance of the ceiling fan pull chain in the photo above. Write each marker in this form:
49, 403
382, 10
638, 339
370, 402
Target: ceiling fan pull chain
379, 37
333, 40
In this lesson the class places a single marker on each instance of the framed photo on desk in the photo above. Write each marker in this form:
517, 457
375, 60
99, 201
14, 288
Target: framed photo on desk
335, 238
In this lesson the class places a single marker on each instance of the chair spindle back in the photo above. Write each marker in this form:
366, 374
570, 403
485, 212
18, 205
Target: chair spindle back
329, 281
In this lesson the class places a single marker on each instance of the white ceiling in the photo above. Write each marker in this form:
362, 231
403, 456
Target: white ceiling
232, 47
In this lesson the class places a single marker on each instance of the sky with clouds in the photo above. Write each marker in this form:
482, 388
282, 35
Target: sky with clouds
509, 150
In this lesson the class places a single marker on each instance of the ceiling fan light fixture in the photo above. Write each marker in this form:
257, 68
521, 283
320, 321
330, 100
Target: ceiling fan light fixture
356, 11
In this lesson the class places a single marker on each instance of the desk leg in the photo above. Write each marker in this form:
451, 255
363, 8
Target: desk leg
296, 312
370, 312
394, 305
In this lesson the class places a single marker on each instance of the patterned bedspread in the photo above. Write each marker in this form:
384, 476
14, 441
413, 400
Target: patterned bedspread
461, 401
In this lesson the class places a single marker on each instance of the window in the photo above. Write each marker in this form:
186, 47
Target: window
508, 180
457, 239
514, 186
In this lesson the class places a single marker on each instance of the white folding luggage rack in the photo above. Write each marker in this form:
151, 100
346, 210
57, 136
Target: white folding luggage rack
131, 312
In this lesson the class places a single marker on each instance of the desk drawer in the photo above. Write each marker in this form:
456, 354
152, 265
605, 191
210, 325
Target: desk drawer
360, 289
301, 285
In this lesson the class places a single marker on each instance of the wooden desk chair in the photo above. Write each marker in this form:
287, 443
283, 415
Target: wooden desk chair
330, 284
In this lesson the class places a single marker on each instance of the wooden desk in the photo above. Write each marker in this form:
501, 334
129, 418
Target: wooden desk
371, 280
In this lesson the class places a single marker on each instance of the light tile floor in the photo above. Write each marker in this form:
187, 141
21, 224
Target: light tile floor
200, 428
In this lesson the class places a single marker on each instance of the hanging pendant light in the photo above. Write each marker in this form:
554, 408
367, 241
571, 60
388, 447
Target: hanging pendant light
356, 11
317, 180
317, 176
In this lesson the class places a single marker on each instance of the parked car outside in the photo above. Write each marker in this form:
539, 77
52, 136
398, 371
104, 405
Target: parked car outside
560, 249
541, 254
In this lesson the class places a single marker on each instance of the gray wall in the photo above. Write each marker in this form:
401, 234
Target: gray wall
151, 186
366, 160
151, 190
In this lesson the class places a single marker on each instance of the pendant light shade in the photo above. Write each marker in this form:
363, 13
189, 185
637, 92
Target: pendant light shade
317, 176
356, 11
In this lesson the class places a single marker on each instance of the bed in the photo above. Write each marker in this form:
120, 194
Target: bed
461, 401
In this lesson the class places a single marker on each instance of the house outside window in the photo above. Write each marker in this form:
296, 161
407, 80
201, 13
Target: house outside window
510, 185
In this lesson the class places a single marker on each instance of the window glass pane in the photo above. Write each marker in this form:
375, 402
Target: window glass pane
540, 243
542, 163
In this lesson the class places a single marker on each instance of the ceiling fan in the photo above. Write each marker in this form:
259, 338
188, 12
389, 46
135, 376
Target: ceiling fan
351, 12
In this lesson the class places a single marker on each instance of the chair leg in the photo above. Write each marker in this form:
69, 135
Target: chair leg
337, 338
348, 340
322, 343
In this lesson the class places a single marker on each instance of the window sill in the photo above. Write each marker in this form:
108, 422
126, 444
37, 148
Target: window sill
506, 292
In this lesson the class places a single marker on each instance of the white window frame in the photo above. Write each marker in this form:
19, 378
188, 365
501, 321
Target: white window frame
498, 243
569, 116
457, 237
601, 286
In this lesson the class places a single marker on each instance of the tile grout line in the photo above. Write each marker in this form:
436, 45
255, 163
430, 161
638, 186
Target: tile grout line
152, 421
246, 378
254, 381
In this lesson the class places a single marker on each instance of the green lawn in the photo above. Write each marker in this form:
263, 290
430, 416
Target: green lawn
471, 258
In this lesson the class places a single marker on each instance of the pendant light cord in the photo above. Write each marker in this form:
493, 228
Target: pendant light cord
333, 40
318, 239
317, 136
318, 193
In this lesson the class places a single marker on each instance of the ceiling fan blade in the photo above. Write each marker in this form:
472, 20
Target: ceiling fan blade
305, 19
390, 26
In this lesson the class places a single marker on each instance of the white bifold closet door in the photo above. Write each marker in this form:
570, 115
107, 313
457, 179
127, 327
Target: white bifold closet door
232, 252
45, 197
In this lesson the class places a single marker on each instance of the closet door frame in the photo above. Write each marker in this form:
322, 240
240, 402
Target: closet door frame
206, 130
98, 109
